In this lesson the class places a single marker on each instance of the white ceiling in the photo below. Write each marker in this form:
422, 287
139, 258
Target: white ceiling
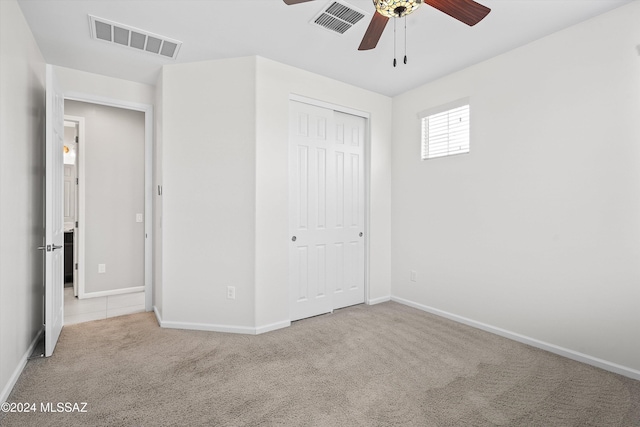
215, 29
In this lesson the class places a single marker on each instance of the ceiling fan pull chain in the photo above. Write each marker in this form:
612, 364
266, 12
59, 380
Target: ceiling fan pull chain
394, 42
405, 39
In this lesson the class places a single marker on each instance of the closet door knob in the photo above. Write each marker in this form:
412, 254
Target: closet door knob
294, 238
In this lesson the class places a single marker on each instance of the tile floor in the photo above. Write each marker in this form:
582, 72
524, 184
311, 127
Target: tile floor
84, 310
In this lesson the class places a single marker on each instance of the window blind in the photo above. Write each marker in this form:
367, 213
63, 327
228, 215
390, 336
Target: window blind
445, 133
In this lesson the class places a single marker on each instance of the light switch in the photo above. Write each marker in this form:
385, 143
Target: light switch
139, 217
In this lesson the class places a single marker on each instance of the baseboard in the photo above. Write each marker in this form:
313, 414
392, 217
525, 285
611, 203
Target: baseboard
220, 328
570, 354
158, 316
99, 294
6, 391
374, 301
208, 327
272, 327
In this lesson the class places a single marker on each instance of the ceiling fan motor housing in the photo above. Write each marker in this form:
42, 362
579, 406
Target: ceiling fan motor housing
396, 8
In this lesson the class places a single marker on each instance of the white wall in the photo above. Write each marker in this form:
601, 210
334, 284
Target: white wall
537, 230
22, 108
113, 154
225, 190
75, 82
208, 177
275, 82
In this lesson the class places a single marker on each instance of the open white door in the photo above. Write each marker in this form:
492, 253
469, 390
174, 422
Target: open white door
54, 221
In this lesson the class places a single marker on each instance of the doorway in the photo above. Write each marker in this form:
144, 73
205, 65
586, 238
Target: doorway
327, 209
112, 236
54, 197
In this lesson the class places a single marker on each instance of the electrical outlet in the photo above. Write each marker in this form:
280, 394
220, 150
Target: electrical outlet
413, 275
102, 268
231, 292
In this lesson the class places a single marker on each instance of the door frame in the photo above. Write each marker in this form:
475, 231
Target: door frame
367, 173
78, 255
147, 109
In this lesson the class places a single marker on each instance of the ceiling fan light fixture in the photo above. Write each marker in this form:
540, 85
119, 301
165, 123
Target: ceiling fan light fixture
396, 8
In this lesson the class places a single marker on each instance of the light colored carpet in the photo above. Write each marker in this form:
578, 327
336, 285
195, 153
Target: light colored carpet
382, 365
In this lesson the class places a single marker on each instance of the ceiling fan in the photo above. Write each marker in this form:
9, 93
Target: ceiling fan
467, 11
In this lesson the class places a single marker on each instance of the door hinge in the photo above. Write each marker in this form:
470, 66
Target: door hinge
76, 265
77, 139
77, 182
76, 224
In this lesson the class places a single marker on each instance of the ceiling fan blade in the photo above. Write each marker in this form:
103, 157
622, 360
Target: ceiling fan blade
467, 11
290, 2
374, 31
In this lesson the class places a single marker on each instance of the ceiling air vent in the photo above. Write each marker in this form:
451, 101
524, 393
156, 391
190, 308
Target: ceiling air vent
338, 17
113, 32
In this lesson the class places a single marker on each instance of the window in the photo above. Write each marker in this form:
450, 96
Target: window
445, 130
